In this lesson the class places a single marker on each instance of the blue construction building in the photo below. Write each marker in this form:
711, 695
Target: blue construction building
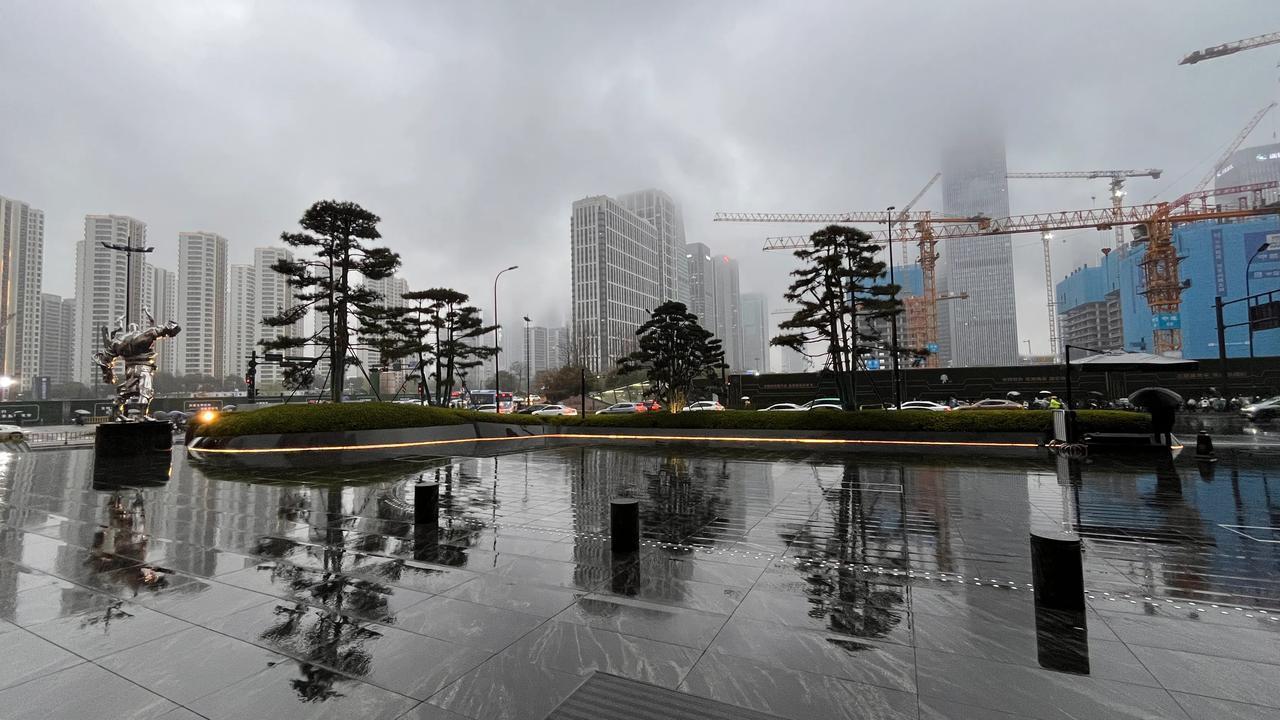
1214, 256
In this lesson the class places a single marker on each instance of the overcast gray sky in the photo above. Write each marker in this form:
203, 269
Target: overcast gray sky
471, 127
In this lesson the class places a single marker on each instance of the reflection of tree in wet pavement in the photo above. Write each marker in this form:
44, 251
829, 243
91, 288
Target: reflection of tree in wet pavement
322, 628
854, 602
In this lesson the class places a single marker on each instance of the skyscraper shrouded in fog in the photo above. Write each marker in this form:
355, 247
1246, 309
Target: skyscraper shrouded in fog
983, 329
663, 213
160, 295
755, 332
57, 337
715, 297
100, 285
621, 270
22, 258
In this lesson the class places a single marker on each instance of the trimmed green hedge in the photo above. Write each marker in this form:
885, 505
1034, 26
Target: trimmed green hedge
368, 416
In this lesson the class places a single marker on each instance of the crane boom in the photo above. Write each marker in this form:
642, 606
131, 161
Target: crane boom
1235, 145
861, 216
1152, 173
1230, 48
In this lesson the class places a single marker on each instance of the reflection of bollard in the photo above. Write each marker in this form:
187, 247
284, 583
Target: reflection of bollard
624, 525
626, 575
426, 543
1057, 570
426, 504
1062, 640
1204, 447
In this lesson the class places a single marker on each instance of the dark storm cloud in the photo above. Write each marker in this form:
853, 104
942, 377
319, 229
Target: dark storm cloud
471, 127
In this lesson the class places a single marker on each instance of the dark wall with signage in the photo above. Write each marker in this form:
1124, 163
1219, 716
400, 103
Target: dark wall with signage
1259, 376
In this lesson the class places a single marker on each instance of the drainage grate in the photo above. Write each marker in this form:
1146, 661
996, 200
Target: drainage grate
609, 697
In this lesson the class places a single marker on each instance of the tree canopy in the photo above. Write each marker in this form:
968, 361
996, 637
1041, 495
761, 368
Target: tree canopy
839, 300
673, 351
337, 240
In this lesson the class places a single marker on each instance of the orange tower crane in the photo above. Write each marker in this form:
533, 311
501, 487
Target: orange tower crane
1117, 178
1161, 279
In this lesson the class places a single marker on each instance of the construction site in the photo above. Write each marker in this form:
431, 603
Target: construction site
1151, 241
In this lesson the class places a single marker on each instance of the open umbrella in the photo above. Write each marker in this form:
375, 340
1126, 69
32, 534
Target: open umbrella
1119, 360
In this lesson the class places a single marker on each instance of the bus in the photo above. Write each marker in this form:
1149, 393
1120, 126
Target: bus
506, 401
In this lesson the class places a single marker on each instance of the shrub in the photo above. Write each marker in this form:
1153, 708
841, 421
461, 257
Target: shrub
369, 416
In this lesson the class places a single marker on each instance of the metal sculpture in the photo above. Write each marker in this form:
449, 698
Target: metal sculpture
135, 348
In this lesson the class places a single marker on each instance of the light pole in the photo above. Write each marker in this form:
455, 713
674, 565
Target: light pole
1248, 292
893, 321
497, 381
128, 250
528, 383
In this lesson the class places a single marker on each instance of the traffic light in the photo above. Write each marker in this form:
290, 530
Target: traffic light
251, 376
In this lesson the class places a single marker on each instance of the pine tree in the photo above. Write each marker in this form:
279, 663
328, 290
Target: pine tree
839, 300
338, 238
674, 351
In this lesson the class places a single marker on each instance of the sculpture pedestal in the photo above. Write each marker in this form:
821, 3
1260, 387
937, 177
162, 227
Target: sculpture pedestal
131, 454
134, 439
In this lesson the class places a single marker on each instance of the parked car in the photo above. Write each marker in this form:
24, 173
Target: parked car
555, 410
487, 408
781, 407
823, 401
11, 433
993, 404
824, 406
625, 408
654, 406
703, 406
1264, 410
924, 405
532, 409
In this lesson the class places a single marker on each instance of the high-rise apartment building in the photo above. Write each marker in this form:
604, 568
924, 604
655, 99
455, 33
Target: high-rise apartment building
272, 294
57, 337
715, 298
616, 259
21, 258
659, 210
202, 304
160, 295
242, 319
546, 349
983, 329
101, 277
755, 333
391, 289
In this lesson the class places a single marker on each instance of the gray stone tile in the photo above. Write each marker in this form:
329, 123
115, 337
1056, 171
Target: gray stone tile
415, 665
82, 691
1256, 643
581, 650
931, 709
26, 656
467, 623
528, 598
202, 601
878, 618
946, 678
867, 661
427, 711
190, 664
48, 601
792, 693
305, 692
1213, 676
117, 627
1203, 708
507, 688
663, 623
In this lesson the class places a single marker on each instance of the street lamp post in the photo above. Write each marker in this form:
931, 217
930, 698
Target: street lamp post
1248, 292
497, 381
128, 249
528, 374
893, 321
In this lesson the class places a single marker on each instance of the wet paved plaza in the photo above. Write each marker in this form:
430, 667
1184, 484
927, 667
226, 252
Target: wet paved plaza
801, 586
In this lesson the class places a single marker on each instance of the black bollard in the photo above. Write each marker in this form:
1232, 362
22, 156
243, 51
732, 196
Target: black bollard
426, 504
1204, 447
1057, 570
624, 525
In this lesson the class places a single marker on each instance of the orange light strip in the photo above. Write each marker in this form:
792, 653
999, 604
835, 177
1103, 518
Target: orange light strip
593, 436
